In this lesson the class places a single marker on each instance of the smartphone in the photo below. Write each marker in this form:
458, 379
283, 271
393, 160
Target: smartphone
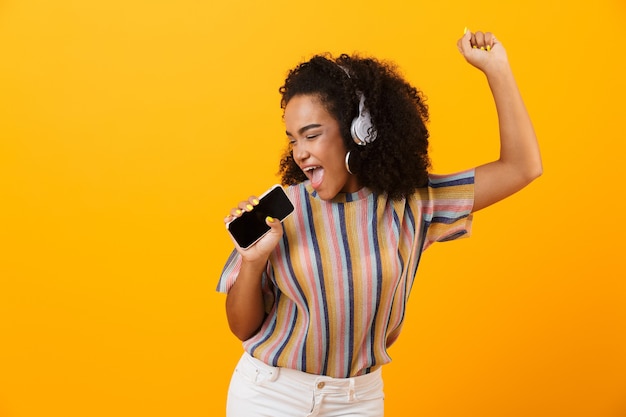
250, 226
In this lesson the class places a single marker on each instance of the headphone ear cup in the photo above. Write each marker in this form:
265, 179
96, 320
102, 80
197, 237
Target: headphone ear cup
359, 134
362, 130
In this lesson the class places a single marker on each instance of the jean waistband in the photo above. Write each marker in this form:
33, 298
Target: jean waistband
318, 381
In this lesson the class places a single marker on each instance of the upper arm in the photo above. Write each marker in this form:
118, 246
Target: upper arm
497, 180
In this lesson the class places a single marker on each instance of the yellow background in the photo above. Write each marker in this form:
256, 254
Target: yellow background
129, 128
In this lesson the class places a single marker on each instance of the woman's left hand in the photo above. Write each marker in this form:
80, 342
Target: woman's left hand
482, 50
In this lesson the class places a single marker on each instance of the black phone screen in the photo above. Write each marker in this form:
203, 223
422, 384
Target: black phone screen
251, 226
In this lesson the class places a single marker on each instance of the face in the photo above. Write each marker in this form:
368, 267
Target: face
317, 146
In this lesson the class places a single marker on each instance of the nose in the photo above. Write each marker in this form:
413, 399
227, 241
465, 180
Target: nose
300, 152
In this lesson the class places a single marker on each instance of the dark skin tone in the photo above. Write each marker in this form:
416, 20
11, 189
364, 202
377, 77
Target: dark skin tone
519, 164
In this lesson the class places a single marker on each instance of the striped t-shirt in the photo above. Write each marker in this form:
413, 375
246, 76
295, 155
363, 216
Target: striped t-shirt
338, 282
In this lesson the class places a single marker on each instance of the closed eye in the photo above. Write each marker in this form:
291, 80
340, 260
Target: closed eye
292, 141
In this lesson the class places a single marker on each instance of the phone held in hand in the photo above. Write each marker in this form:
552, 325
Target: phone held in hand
250, 226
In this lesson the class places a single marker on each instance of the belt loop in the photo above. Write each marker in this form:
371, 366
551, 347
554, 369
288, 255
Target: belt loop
351, 394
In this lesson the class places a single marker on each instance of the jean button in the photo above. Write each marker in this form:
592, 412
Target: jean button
320, 385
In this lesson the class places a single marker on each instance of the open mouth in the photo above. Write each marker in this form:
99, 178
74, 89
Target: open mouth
315, 174
308, 171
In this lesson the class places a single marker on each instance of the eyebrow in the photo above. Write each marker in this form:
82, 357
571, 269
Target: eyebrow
305, 128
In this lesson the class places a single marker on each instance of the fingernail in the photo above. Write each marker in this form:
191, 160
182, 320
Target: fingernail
475, 47
238, 211
255, 201
488, 48
249, 206
482, 48
465, 30
269, 219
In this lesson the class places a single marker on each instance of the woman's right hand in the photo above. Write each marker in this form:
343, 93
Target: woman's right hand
261, 250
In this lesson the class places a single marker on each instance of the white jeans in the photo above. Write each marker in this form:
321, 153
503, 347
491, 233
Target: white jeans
259, 390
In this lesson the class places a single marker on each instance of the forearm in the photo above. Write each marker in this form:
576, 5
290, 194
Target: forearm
519, 149
245, 308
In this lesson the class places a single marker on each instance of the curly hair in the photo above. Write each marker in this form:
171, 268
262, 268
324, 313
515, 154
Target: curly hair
397, 162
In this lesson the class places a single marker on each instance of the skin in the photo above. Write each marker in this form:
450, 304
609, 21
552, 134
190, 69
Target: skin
315, 140
520, 159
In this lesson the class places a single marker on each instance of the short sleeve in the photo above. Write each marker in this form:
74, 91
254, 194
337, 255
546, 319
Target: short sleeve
231, 271
449, 207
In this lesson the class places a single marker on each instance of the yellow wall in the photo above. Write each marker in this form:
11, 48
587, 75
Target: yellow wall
129, 128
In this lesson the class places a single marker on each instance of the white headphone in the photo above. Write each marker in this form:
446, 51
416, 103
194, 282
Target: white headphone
361, 129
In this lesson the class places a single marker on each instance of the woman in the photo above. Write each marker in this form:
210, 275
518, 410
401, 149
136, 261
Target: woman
319, 299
